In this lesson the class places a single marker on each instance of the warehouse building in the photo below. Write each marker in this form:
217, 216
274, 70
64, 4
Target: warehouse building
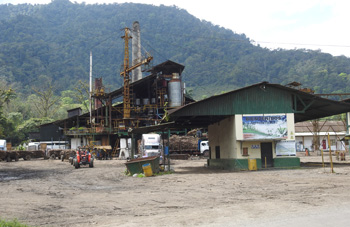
254, 123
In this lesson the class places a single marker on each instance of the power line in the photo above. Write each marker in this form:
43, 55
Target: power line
254, 41
304, 44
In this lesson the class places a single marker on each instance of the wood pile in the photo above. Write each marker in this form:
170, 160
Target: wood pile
8, 156
26, 155
56, 153
2, 155
183, 143
67, 153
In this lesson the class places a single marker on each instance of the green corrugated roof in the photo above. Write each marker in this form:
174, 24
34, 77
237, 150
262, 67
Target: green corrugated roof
261, 98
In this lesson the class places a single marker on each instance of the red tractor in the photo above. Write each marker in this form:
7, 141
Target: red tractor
83, 157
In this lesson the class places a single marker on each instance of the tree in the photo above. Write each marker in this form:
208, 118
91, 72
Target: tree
6, 127
83, 94
46, 101
6, 96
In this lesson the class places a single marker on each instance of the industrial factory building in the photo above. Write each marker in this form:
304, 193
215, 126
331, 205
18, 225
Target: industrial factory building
251, 123
140, 102
150, 98
255, 122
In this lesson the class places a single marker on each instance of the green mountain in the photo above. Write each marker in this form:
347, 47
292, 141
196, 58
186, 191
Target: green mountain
54, 41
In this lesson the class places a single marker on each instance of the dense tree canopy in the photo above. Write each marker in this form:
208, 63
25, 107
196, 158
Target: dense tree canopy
40, 43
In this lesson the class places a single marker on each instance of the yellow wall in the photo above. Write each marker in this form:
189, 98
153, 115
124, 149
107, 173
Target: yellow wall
254, 149
222, 134
228, 134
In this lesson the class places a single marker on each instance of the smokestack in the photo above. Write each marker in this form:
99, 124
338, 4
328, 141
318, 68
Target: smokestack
98, 87
136, 51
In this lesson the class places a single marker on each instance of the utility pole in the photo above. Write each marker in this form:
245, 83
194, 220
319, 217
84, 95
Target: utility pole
126, 98
90, 90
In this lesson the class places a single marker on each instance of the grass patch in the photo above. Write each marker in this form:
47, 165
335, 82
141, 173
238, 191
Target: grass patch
288, 167
13, 223
163, 173
140, 175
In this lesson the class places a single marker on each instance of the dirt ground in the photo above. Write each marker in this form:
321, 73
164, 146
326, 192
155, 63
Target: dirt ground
53, 193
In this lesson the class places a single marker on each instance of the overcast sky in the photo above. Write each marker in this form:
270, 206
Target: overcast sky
288, 24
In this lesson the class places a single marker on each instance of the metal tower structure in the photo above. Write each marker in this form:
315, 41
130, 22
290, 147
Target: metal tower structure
126, 74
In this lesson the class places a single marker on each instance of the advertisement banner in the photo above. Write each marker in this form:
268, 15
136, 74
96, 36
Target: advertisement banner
285, 148
264, 127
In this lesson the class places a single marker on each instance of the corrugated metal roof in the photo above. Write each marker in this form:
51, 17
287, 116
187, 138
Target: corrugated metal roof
261, 98
324, 126
321, 134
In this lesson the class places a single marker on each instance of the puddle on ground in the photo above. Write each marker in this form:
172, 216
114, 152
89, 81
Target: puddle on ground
8, 178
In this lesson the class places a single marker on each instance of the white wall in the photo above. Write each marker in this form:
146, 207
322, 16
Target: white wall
76, 142
125, 148
290, 126
339, 145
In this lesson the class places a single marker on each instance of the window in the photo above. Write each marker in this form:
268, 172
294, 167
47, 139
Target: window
217, 152
333, 143
151, 147
245, 151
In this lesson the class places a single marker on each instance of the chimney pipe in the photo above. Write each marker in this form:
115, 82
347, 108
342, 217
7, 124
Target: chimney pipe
136, 51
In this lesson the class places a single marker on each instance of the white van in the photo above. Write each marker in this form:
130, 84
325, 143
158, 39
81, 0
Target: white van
50, 145
33, 146
3, 145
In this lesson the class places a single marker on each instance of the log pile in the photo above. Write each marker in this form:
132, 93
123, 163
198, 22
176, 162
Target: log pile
15, 155
183, 143
27, 155
67, 153
8, 156
57, 153
2, 155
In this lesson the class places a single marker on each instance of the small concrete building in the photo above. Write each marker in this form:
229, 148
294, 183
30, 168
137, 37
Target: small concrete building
308, 131
255, 122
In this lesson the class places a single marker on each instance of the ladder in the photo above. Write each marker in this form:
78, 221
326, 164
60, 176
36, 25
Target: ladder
116, 147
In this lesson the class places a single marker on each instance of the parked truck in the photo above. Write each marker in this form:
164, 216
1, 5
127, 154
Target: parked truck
150, 145
189, 145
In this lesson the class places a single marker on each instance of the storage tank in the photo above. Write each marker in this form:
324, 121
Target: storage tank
138, 102
145, 101
175, 91
153, 100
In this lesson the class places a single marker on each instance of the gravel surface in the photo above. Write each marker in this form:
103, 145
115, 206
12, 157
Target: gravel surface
53, 193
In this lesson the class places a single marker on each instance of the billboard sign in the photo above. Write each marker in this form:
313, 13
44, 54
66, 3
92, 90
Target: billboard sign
264, 127
285, 148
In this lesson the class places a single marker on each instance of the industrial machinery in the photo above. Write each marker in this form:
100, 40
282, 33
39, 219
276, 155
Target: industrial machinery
139, 102
125, 73
83, 157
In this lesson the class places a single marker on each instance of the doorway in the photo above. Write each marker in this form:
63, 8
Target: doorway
266, 151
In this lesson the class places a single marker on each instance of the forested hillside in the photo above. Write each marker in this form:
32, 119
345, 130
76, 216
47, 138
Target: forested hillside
44, 53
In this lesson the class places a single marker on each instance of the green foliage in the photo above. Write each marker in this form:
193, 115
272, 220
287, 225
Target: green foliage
163, 173
44, 57
140, 175
55, 40
6, 125
6, 95
13, 223
33, 123
16, 118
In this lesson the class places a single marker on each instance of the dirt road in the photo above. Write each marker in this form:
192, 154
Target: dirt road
53, 193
